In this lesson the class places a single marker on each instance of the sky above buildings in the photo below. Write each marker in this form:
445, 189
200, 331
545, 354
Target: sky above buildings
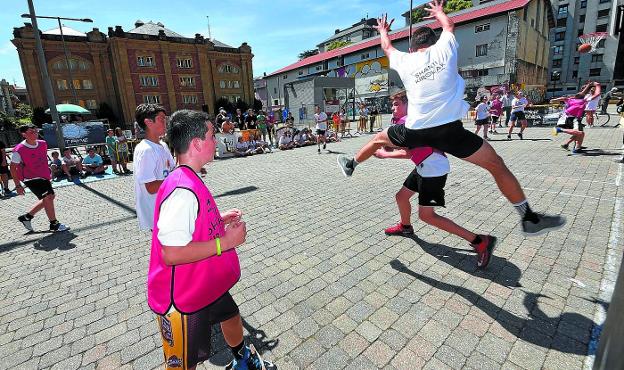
277, 30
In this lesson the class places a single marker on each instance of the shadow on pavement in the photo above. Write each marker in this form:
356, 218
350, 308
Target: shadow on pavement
239, 191
255, 336
595, 153
60, 240
108, 199
460, 259
566, 333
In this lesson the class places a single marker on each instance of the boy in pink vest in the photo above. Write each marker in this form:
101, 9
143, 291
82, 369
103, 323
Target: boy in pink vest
29, 164
193, 261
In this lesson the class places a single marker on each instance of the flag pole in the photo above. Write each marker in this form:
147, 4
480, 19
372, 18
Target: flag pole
410, 25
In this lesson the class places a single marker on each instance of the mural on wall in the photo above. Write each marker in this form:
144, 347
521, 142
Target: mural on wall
371, 76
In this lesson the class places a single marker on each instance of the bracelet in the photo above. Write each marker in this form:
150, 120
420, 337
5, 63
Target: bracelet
218, 241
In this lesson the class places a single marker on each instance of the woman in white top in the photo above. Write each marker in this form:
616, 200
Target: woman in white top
482, 117
592, 105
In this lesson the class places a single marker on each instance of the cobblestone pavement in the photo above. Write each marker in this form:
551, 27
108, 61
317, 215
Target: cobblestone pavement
322, 286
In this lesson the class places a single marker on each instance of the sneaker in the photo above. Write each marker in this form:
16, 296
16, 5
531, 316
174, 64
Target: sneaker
58, 227
577, 151
324, 145
519, 135
319, 150
544, 224
565, 147
484, 250
398, 229
128, 172
508, 137
343, 162
250, 360
26, 222
554, 131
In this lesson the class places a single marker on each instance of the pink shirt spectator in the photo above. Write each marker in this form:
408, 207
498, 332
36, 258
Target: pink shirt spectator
496, 108
34, 161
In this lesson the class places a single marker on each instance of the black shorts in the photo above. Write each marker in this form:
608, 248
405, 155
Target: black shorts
569, 124
494, 119
450, 138
515, 116
4, 170
186, 338
430, 189
320, 132
40, 187
481, 122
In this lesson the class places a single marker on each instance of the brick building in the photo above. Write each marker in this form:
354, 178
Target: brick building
149, 63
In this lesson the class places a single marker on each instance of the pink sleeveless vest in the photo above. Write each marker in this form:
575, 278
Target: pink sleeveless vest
34, 161
192, 286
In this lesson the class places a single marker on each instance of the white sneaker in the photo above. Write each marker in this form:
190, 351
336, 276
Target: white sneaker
58, 227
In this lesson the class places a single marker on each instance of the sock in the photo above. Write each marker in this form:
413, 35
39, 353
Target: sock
406, 226
477, 240
53, 222
558, 129
236, 350
526, 214
28, 216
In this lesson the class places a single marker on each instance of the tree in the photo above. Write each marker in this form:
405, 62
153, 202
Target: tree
40, 117
242, 105
451, 6
23, 111
6, 121
105, 111
225, 104
257, 105
337, 44
308, 53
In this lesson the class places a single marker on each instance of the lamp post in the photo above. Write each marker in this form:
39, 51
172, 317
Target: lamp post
65, 50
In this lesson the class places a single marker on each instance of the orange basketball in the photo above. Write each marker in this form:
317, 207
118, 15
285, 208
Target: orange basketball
584, 48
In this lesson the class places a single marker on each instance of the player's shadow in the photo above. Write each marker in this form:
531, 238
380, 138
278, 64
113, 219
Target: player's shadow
219, 351
61, 241
239, 191
334, 152
499, 270
566, 333
595, 153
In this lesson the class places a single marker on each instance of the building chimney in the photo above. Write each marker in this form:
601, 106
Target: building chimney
138, 23
337, 31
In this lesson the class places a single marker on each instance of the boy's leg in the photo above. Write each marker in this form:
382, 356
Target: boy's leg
428, 215
48, 205
523, 126
347, 165
402, 197
511, 127
233, 331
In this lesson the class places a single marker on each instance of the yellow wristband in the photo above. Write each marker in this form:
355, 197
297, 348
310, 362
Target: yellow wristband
218, 241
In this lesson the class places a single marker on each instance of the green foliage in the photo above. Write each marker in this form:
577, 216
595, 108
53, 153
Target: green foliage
451, 6
7, 121
23, 111
39, 117
308, 53
105, 111
337, 44
243, 106
257, 105
225, 104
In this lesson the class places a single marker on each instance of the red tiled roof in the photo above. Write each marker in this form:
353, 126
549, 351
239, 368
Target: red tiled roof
457, 19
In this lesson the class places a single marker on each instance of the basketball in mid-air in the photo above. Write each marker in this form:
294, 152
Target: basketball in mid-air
584, 48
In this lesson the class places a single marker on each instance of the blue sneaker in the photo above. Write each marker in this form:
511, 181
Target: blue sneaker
250, 360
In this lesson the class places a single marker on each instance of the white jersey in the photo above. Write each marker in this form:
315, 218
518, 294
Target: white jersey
592, 104
435, 90
434, 166
321, 121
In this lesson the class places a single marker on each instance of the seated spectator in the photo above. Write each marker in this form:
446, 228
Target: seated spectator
285, 141
242, 148
331, 136
266, 148
56, 166
308, 137
93, 163
71, 165
227, 127
253, 146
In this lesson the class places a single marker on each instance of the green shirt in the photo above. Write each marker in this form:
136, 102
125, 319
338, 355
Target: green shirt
111, 143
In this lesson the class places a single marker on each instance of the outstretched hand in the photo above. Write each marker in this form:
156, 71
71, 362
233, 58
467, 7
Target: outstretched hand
231, 216
435, 9
382, 24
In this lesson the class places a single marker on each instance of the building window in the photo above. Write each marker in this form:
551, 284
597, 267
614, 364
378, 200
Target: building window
59, 65
236, 84
601, 44
559, 36
148, 81
482, 27
185, 63
562, 22
284, 77
604, 13
61, 84
604, 1
229, 84
601, 27
555, 76
77, 84
189, 99
481, 50
275, 90
227, 68
300, 73
364, 56
153, 99
594, 72
319, 68
596, 58
558, 49
87, 84
556, 63
574, 74
187, 81
222, 84
91, 104
576, 60
145, 61
582, 18
563, 10
583, 4
483, 72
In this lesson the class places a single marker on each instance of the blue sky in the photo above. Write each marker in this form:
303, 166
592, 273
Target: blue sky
277, 31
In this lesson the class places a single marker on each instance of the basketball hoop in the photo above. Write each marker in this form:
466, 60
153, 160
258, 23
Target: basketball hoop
593, 39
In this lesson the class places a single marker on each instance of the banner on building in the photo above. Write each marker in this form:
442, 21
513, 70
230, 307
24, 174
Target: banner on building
371, 77
76, 133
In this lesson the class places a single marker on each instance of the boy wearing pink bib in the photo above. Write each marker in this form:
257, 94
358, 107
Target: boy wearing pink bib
193, 260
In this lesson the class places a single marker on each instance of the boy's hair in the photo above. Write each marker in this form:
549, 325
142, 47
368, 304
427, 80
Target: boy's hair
55, 153
186, 125
149, 111
423, 37
402, 94
25, 128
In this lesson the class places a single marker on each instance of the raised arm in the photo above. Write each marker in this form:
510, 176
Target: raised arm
436, 11
383, 27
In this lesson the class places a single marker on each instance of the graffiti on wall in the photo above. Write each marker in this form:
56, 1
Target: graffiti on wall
371, 76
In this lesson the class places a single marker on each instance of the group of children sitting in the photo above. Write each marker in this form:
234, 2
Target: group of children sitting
300, 138
255, 145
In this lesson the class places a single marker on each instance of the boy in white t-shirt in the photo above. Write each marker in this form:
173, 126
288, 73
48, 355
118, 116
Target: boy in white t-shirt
435, 92
152, 161
518, 104
482, 117
321, 126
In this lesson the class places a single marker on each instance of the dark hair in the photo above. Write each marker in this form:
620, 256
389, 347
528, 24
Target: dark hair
402, 94
423, 37
186, 125
25, 128
149, 111
55, 152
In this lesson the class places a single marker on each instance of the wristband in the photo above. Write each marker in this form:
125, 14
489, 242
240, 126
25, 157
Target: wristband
218, 241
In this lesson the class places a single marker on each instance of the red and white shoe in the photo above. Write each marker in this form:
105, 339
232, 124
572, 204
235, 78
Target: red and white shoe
484, 250
399, 229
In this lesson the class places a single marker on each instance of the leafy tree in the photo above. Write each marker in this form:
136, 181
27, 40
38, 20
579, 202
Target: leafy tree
105, 111
257, 105
242, 105
308, 53
225, 104
337, 44
7, 121
451, 6
40, 117
23, 111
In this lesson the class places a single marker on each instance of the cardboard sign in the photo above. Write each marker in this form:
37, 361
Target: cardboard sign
76, 133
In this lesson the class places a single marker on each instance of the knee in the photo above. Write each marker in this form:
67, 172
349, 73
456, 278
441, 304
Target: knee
427, 217
49, 198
